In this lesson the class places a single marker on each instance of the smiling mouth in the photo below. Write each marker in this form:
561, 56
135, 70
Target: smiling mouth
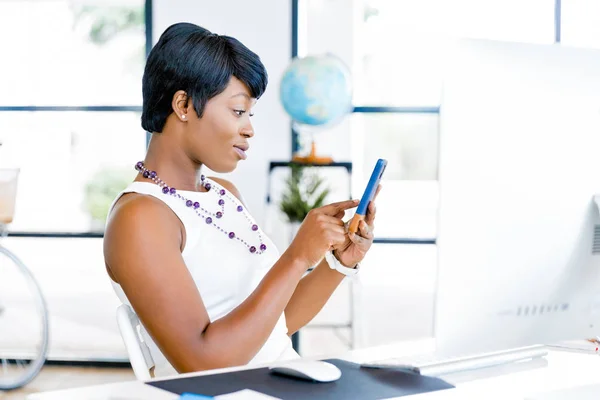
241, 153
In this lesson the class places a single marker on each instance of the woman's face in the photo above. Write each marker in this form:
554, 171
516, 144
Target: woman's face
219, 139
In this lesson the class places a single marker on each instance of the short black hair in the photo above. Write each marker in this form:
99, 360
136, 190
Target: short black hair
190, 58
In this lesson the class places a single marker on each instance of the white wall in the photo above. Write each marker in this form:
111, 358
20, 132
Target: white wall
264, 26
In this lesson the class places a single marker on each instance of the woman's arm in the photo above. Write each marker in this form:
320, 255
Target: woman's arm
315, 289
143, 244
311, 294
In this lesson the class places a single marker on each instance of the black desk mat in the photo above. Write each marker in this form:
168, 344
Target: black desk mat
355, 383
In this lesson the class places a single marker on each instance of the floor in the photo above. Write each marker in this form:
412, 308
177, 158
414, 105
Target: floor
61, 377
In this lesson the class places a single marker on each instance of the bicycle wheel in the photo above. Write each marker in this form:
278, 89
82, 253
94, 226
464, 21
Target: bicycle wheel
23, 323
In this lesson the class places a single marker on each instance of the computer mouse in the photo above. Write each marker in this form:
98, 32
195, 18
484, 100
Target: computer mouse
311, 370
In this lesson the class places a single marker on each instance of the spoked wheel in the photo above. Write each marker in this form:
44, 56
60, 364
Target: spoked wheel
23, 323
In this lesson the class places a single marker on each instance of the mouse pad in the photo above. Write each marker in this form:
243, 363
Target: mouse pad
355, 383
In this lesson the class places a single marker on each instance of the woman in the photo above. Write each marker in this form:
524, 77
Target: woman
208, 285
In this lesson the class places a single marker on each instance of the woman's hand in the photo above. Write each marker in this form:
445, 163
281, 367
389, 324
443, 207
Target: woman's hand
321, 231
354, 249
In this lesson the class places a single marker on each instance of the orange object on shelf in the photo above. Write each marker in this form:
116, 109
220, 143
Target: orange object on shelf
312, 158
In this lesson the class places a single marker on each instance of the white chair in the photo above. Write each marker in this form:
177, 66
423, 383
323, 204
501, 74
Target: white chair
137, 349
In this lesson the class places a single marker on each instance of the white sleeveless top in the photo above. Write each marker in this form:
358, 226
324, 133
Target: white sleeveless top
224, 269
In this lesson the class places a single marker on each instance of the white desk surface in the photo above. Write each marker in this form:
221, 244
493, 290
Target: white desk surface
559, 370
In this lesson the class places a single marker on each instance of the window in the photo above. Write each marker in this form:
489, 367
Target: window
395, 51
70, 105
407, 206
72, 52
395, 48
71, 163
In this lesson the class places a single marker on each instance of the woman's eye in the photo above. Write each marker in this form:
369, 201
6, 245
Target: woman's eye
239, 112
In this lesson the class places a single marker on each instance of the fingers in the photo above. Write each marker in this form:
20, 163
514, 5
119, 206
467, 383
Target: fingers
335, 231
358, 240
336, 238
365, 230
363, 237
340, 215
336, 228
335, 208
371, 211
330, 220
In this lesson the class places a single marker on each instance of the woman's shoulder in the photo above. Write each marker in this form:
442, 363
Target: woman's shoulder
139, 213
135, 204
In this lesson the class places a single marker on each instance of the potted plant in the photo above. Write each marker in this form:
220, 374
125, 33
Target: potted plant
303, 192
101, 190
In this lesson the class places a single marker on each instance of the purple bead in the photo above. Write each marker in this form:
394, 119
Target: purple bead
207, 186
222, 192
208, 220
152, 174
254, 227
240, 208
219, 214
202, 177
165, 189
189, 203
172, 191
196, 205
252, 249
231, 235
263, 247
139, 165
221, 202
146, 174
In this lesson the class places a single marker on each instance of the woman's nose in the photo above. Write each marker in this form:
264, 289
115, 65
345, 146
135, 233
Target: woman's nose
247, 131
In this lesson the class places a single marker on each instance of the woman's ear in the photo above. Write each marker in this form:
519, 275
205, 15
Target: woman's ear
180, 105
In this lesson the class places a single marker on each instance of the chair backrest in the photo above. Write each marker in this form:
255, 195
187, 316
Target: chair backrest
137, 349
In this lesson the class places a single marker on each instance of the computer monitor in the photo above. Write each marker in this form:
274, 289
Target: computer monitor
519, 230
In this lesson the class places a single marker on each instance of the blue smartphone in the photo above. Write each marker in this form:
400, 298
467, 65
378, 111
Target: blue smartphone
368, 195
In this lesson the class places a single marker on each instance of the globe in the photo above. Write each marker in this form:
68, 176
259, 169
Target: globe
316, 91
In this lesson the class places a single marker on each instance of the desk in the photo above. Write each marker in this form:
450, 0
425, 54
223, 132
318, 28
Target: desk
563, 370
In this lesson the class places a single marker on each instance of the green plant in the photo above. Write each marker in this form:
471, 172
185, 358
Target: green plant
102, 188
106, 22
304, 191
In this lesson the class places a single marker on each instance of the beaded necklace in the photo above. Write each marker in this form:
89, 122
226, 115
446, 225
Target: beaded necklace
205, 214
